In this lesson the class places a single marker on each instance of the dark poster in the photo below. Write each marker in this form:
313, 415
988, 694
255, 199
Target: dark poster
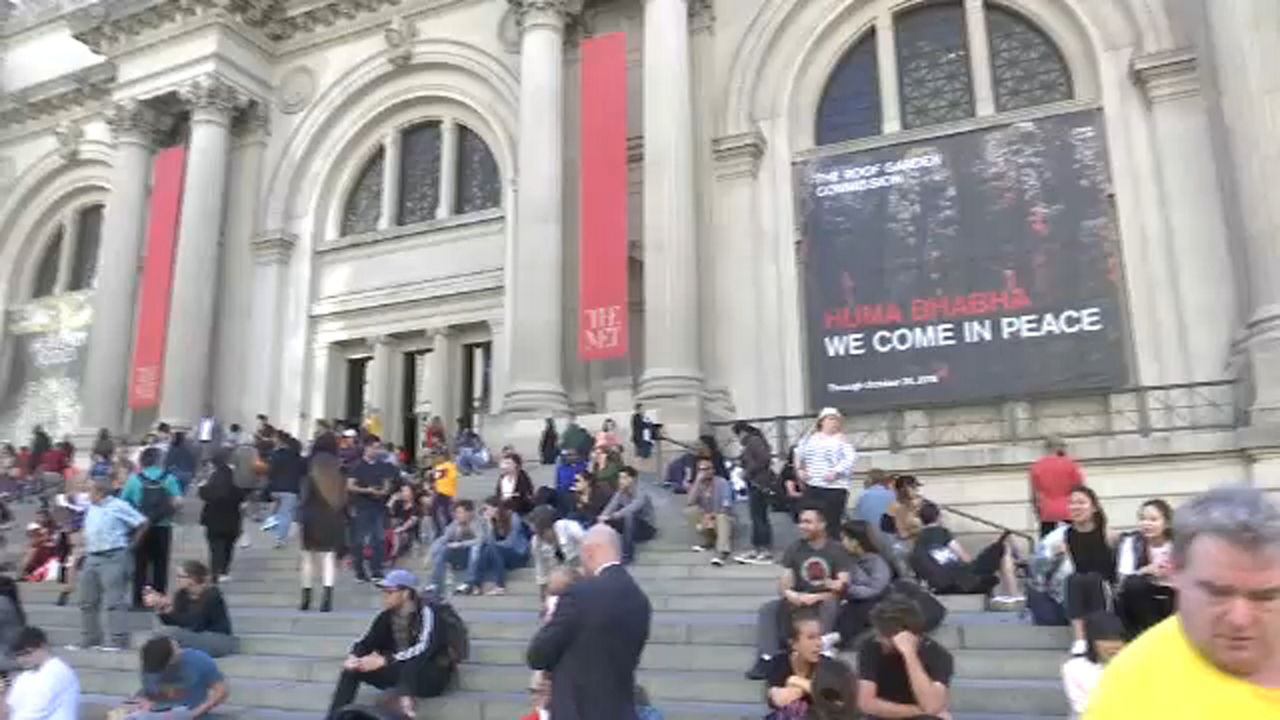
976, 266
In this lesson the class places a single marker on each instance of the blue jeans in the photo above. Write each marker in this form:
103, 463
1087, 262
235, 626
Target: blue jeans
468, 461
284, 513
369, 525
465, 558
495, 561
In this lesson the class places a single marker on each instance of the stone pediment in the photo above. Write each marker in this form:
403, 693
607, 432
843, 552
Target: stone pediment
111, 24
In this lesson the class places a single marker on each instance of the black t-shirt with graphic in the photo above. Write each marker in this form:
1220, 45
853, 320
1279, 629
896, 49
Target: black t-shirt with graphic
889, 672
810, 566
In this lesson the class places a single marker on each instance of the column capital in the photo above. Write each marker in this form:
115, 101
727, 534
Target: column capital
211, 98
134, 121
274, 248
544, 13
738, 155
255, 122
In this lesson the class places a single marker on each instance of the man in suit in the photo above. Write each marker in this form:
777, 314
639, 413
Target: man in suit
592, 644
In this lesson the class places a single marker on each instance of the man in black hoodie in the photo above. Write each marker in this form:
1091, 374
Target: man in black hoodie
404, 649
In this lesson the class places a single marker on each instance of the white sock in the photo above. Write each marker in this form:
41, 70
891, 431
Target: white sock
305, 570
329, 568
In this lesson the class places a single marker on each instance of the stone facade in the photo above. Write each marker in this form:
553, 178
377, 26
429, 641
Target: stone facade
283, 299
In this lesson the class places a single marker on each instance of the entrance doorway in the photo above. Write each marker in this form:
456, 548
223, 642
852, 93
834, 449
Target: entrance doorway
357, 381
411, 437
477, 371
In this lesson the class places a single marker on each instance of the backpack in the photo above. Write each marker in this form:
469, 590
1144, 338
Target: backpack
931, 608
155, 504
453, 632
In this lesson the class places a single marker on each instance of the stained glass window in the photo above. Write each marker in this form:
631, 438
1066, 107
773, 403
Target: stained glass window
419, 173
933, 65
850, 106
47, 273
1026, 67
88, 238
479, 186
364, 204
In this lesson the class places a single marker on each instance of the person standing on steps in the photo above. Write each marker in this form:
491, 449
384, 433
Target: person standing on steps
285, 469
1053, 477
824, 466
112, 528
757, 467
369, 487
594, 674
220, 515
322, 514
156, 494
1218, 656
549, 446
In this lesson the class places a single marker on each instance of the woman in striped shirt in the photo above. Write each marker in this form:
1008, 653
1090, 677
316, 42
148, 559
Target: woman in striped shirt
825, 466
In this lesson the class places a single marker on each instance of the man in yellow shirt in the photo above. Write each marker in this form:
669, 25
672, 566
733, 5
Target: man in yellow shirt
1219, 656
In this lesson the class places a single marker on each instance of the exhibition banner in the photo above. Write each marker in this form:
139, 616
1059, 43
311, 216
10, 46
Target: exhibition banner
970, 267
163, 212
602, 248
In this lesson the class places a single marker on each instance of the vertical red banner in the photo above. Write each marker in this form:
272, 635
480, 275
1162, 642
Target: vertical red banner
157, 276
602, 249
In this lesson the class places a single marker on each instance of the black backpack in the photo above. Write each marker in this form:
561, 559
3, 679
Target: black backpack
155, 504
453, 631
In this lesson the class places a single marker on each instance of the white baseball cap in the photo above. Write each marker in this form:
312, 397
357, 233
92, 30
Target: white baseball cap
829, 412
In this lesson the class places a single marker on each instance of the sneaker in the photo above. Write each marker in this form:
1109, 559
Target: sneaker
224, 578
463, 589
699, 548
829, 644
270, 524
496, 591
718, 560
760, 669
245, 541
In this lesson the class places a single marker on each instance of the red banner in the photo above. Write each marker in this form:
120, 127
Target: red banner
157, 276
602, 249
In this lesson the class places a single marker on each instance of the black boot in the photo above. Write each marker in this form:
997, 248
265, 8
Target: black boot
326, 600
306, 600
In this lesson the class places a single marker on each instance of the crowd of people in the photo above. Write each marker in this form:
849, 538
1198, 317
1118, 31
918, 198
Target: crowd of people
862, 577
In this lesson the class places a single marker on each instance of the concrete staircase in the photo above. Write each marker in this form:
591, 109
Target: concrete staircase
699, 647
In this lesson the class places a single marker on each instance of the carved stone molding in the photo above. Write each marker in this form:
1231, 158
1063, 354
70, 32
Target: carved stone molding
399, 35
738, 155
556, 13
76, 90
254, 122
1167, 75
274, 248
702, 15
212, 96
69, 134
135, 120
297, 88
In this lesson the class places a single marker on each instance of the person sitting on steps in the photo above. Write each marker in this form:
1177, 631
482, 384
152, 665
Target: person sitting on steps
177, 683
710, 511
196, 616
460, 546
942, 563
902, 673
403, 651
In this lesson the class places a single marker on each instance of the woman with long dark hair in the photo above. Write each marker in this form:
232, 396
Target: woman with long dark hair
322, 514
514, 487
1146, 595
220, 515
869, 579
196, 615
1091, 550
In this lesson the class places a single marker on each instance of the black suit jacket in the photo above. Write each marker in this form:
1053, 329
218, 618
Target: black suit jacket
592, 646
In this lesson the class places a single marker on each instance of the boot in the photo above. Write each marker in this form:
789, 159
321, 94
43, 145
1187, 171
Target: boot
326, 600
306, 600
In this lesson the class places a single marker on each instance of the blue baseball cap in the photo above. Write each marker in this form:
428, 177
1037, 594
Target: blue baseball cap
399, 579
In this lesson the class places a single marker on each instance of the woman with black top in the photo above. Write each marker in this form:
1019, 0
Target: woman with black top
789, 676
1143, 564
1093, 560
196, 616
514, 486
220, 515
549, 447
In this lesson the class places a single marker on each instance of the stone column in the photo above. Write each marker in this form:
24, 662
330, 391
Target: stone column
1240, 48
271, 254
672, 379
442, 374
448, 168
537, 293
186, 377
380, 379
106, 373
390, 212
244, 310
984, 97
498, 348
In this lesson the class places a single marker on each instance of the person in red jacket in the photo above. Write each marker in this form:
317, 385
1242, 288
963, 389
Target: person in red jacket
1052, 478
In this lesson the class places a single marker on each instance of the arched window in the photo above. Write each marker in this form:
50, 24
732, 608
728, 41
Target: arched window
932, 45
479, 187
933, 65
88, 239
1026, 67
850, 105
419, 173
364, 204
47, 273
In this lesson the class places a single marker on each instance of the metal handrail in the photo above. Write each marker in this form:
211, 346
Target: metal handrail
983, 521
